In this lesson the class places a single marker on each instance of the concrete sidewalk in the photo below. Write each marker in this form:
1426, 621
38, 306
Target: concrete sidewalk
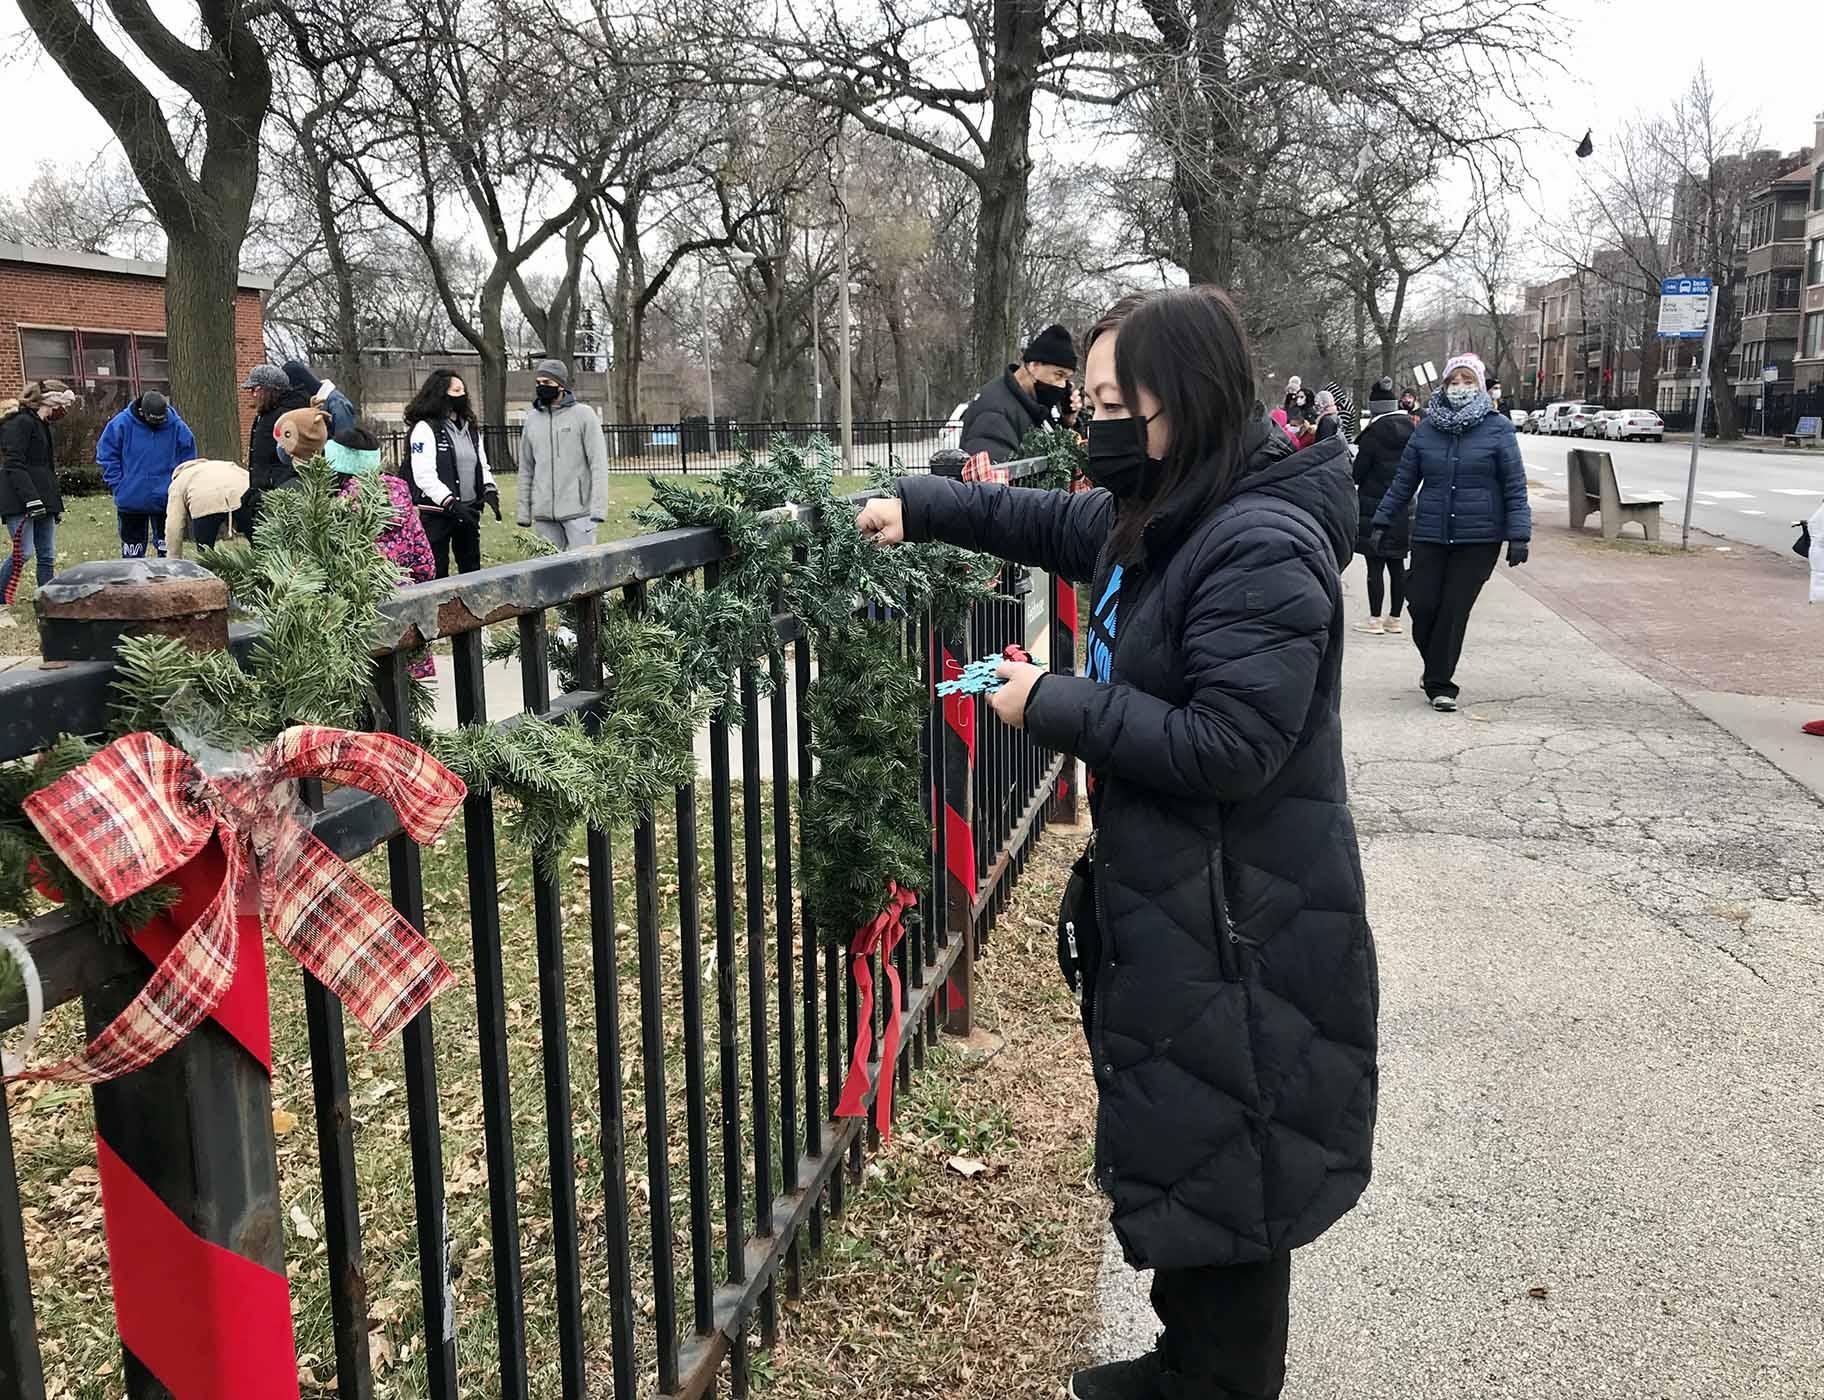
1600, 1156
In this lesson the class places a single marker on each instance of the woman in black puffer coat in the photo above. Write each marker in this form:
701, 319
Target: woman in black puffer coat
1377, 462
1234, 1008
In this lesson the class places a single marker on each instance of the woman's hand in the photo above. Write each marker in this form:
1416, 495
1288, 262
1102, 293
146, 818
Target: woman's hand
1017, 680
883, 521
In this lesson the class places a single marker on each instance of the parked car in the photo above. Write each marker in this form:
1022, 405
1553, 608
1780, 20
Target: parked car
1598, 425
1519, 417
1633, 423
1569, 416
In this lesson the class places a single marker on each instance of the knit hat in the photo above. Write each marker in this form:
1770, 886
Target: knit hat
48, 393
1050, 346
1294, 384
1383, 397
351, 461
302, 433
266, 377
552, 369
1325, 403
299, 376
1471, 362
154, 408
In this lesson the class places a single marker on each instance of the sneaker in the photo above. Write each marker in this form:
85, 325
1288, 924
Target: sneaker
1373, 627
1393, 625
1139, 1379
1814, 727
1444, 704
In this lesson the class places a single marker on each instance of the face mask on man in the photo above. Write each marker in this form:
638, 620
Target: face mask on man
547, 394
1051, 395
1118, 462
1459, 395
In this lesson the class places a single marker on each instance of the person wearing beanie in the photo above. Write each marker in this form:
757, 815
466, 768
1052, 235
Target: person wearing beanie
355, 456
447, 467
563, 462
137, 453
1463, 461
207, 504
1377, 462
273, 396
31, 505
1025, 396
1300, 398
1328, 415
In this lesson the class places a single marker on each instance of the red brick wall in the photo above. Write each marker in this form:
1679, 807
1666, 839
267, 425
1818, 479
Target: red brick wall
77, 299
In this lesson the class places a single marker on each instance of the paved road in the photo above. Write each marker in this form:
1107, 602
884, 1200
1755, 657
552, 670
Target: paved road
1748, 496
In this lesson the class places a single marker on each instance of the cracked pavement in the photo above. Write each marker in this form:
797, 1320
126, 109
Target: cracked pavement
1600, 1153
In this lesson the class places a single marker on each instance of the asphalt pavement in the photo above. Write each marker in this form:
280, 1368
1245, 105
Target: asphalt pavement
1752, 497
1597, 1161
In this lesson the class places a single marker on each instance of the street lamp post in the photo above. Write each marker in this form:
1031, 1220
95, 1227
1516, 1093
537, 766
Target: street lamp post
738, 260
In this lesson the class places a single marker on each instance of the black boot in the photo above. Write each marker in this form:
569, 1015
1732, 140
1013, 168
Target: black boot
1142, 1378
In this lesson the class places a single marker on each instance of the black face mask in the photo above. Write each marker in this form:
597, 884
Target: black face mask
1117, 458
459, 404
547, 394
1051, 395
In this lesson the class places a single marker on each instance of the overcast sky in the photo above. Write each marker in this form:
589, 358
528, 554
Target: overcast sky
1622, 56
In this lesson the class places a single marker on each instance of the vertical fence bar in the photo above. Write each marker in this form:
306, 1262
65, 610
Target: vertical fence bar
658, 1137
754, 872
728, 1046
813, 1107
420, 1050
341, 1206
782, 913
21, 1369
491, 1039
605, 986
554, 1041
690, 938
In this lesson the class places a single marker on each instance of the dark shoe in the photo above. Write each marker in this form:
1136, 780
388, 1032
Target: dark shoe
1142, 1378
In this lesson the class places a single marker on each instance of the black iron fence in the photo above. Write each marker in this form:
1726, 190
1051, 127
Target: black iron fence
1777, 413
748, 1215
695, 446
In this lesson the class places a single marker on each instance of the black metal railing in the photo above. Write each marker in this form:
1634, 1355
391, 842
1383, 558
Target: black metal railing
694, 446
753, 1205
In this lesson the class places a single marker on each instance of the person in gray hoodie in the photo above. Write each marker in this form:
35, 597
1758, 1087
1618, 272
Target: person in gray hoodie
563, 462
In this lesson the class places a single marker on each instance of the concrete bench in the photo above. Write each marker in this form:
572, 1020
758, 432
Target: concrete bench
1593, 488
1805, 432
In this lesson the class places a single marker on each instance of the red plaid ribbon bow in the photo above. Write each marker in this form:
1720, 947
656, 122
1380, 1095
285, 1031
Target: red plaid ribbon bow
981, 468
140, 810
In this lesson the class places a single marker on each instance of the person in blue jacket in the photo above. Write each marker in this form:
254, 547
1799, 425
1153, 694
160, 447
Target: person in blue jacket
139, 449
1464, 461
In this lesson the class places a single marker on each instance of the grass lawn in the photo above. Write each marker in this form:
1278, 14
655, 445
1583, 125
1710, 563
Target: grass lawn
88, 532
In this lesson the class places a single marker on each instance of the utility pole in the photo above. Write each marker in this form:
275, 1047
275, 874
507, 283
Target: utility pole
848, 421
816, 338
709, 383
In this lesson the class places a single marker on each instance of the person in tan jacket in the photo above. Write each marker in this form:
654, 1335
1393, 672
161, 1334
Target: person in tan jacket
206, 497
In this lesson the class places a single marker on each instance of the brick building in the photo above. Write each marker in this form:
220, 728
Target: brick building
98, 324
1808, 364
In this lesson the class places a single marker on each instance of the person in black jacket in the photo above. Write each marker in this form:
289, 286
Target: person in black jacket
268, 470
1377, 460
1232, 1013
31, 505
1024, 397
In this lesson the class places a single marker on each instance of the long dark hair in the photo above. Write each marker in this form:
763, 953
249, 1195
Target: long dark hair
432, 401
1188, 347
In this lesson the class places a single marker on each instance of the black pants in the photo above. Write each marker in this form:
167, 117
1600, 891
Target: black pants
1386, 579
135, 527
1441, 589
1225, 1329
207, 529
447, 532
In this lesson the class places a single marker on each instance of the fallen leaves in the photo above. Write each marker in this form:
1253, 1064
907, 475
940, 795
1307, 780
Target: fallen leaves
283, 1121
300, 1222
967, 1167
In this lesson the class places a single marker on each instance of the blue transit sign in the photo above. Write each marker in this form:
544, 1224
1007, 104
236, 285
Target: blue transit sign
1684, 308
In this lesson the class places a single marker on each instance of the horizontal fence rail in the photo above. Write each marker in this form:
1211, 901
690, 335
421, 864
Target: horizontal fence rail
620, 1129
695, 446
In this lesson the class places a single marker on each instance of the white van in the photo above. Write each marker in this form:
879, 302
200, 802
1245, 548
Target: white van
1568, 416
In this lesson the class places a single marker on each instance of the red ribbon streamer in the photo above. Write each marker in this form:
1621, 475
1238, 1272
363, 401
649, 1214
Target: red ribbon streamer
882, 933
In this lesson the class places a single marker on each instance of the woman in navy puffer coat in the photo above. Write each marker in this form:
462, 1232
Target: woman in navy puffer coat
1464, 461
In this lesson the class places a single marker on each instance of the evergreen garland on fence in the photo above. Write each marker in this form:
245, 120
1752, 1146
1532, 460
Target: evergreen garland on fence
1064, 456
315, 580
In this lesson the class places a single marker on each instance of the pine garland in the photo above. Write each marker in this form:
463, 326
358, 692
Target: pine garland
1063, 453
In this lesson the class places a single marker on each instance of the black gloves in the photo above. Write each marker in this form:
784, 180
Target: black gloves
463, 512
1377, 542
491, 499
1516, 552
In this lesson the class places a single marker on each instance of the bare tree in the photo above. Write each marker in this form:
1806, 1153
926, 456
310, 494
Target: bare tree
97, 209
201, 197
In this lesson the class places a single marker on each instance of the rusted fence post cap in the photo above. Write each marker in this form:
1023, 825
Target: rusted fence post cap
87, 609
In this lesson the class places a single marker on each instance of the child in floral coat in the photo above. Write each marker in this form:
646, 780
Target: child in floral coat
356, 455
